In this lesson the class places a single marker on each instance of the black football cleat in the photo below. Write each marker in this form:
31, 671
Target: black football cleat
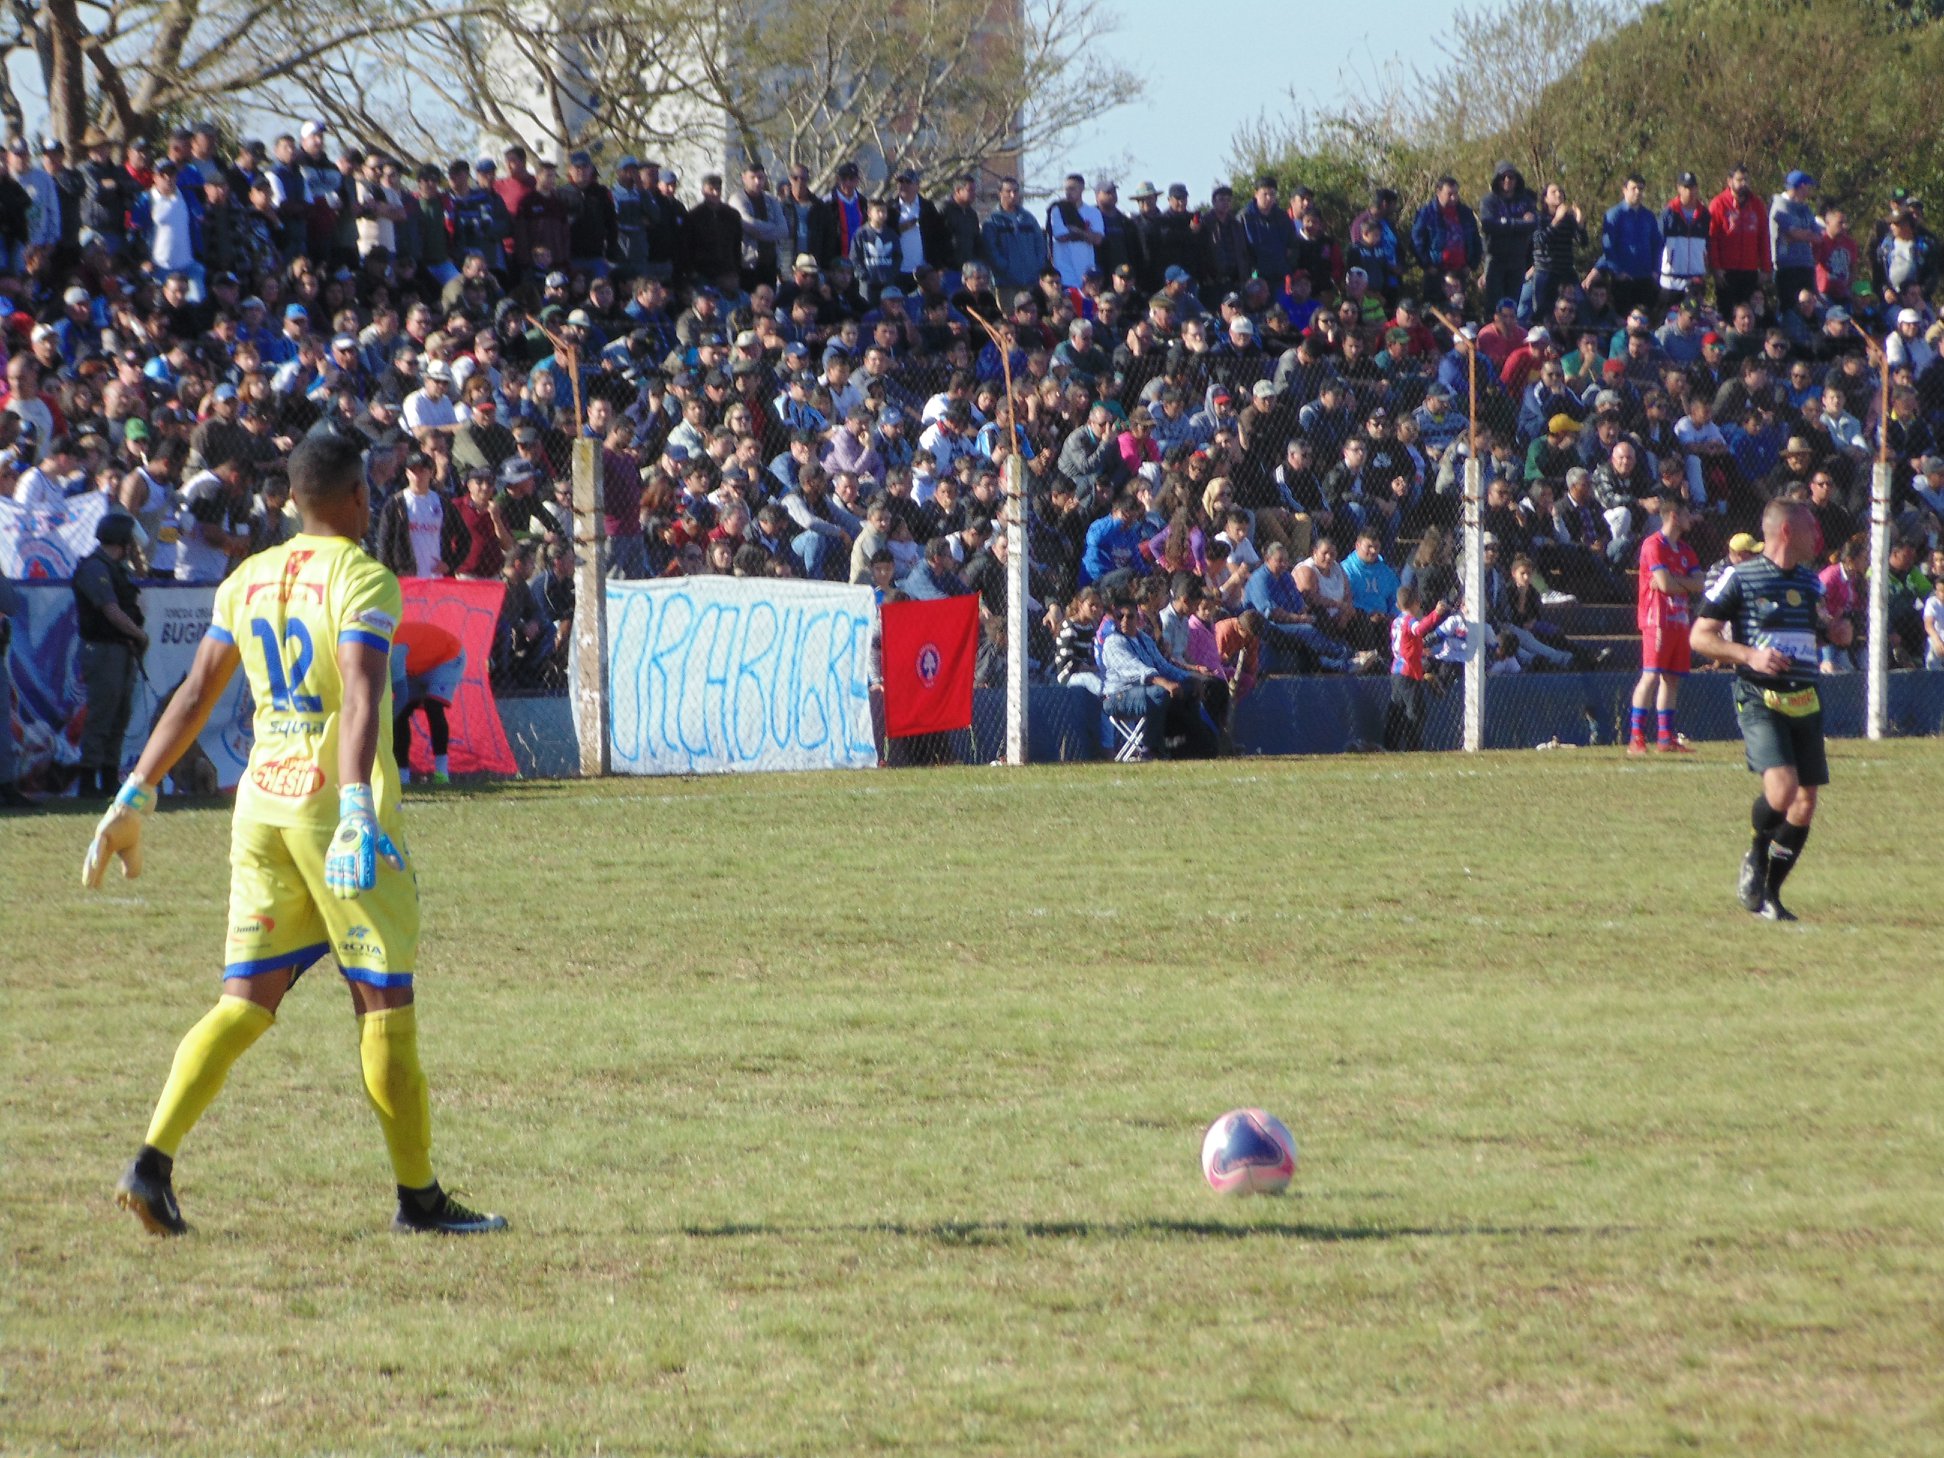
151, 1200
434, 1212
1749, 887
1773, 910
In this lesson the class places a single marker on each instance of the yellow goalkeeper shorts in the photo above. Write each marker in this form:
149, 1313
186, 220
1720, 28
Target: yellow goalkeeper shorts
283, 916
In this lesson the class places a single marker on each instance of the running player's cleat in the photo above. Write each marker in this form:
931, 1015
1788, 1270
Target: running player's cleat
151, 1200
1636, 748
440, 777
1748, 887
1773, 910
1676, 746
442, 1215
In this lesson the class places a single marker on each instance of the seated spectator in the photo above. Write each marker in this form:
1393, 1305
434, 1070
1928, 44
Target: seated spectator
1294, 641
1139, 683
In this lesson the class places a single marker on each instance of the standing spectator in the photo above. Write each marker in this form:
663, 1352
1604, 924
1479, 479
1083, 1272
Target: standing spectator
964, 242
1116, 250
1073, 230
921, 232
1445, 237
833, 226
1669, 574
633, 205
765, 228
715, 238
1684, 239
1907, 255
1838, 259
214, 521
1015, 244
1561, 230
1630, 248
487, 536
164, 222
106, 194
1271, 235
1794, 233
420, 533
1404, 719
1225, 258
108, 617
591, 222
1738, 242
43, 197
1508, 215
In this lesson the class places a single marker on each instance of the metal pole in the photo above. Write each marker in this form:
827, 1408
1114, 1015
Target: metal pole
1475, 662
1876, 711
1877, 696
1017, 506
590, 609
1473, 524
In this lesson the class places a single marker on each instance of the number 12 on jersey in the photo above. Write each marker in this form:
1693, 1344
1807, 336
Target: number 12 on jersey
286, 686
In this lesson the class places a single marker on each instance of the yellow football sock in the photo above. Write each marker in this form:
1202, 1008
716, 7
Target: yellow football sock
395, 1084
202, 1062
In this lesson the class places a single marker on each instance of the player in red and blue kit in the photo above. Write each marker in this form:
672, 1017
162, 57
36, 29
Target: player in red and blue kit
1669, 572
1404, 721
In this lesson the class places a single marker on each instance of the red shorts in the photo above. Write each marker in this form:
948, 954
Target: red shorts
1665, 649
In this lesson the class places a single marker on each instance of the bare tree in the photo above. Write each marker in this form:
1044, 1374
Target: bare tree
938, 85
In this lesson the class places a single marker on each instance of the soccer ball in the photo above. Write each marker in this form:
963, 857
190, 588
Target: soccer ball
1248, 1151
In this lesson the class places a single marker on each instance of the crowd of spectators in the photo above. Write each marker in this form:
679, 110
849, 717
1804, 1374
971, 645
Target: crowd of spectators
1245, 421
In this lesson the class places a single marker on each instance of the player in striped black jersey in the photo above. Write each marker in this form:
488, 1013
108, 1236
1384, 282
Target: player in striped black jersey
1774, 604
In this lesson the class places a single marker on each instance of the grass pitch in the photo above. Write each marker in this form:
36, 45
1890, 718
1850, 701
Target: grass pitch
854, 1114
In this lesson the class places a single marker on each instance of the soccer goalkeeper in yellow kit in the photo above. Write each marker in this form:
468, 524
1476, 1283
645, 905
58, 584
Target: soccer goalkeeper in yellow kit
317, 863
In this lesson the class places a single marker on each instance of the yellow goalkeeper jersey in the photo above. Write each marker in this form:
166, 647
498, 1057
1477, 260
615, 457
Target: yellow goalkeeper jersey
287, 611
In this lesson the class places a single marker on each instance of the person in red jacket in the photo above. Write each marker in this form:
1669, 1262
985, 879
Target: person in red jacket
1738, 241
1404, 720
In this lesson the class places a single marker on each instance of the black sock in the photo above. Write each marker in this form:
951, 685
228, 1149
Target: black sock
1767, 820
1783, 856
152, 1164
424, 1201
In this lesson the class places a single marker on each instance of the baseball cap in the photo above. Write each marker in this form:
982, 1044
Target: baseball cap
626, 162
579, 159
1178, 189
1563, 424
296, 311
805, 263
1263, 389
1688, 179
892, 292
438, 370
311, 129
1743, 542
580, 318
344, 341
1904, 316
513, 470
79, 295
1176, 274
1711, 338
135, 430
1799, 178
1242, 324
556, 280
1837, 315
225, 392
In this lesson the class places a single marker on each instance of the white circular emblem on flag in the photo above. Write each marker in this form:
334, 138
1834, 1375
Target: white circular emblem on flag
928, 664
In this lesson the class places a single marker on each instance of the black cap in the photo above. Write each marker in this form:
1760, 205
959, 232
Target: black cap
115, 530
1688, 179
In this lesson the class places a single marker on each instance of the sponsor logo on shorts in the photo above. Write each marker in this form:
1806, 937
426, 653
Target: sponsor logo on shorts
253, 926
287, 779
358, 943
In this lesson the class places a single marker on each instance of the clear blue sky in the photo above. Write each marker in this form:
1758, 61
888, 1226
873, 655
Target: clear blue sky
1211, 65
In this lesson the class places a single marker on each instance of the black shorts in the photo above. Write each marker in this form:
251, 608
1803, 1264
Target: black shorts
1776, 739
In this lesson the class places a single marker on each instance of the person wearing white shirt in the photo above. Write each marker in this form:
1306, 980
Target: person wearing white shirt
430, 406
1907, 345
1074, 228
171, 249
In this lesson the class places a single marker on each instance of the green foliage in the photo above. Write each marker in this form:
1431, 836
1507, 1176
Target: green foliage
858, 1114
1846, 89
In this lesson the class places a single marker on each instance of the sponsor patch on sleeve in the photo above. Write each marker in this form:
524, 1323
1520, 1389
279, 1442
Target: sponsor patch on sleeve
377, 621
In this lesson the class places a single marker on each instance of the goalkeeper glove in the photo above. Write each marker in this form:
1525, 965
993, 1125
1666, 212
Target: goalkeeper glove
351, 866
119, 834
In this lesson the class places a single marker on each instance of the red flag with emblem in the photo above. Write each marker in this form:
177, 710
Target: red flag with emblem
929, 650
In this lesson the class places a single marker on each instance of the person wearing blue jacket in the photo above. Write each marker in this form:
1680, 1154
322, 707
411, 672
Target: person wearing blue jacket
1014, 242
1445, 238
1270, 234
1630, 249
1113, 545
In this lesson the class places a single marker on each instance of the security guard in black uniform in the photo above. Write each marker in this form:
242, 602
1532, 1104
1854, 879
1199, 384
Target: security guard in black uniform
1774, 603
109, 610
